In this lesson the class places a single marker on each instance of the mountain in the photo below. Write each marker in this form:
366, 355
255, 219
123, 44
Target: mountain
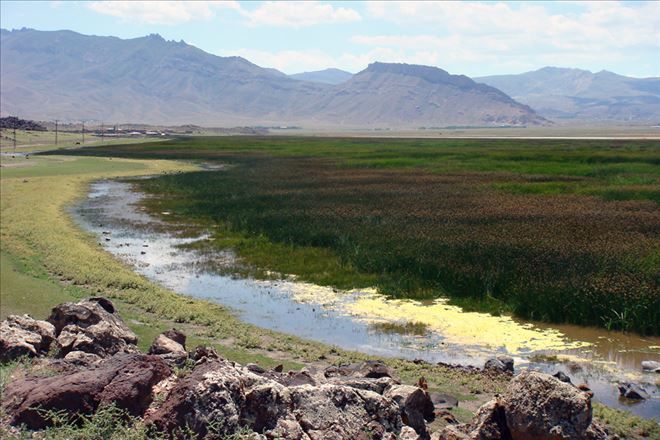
421, 95
68, 76
575, 94
326, 76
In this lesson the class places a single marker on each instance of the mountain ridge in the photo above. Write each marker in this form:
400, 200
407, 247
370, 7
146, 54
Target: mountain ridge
577, 94
66, 75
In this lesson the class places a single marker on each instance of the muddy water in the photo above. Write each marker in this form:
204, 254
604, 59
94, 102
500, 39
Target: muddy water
362, 320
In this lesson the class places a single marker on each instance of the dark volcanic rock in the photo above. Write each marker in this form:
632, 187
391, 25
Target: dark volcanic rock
21, 335
91, 326
124, 379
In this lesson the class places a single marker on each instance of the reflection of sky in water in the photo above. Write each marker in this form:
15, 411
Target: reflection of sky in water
344, 319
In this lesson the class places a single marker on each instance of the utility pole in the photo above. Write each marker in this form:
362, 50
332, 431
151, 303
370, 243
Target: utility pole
83, 132
56, 121
101, 133
14, 139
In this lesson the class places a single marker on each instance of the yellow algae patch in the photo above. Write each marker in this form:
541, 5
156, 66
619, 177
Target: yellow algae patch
459, 327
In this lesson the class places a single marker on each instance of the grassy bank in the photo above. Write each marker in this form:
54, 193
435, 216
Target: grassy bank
555, 230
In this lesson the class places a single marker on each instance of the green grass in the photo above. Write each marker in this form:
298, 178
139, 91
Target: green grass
499, 225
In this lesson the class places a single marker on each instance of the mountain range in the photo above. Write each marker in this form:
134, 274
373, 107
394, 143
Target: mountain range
580, 95
69, 76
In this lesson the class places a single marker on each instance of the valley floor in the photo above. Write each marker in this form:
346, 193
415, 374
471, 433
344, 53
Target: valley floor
46, 259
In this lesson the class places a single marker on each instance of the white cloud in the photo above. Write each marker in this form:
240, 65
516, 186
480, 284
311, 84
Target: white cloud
516, 37
161, 12
299, 14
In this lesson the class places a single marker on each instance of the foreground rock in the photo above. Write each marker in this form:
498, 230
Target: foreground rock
125, 380
21, 335
535, 406
218, 390
91, 326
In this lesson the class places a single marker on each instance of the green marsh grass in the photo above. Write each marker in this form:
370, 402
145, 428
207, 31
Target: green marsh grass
553, 230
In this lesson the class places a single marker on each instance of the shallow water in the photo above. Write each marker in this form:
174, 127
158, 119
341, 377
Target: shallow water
349, 319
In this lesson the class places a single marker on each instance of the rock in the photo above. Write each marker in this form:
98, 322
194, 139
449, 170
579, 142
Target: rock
416, 406
255, 368
220, 390
407, 433
651, 366
167, 348
91, 326
632, 391
21, 335
562, 377
176, 336
535, 406
124, 379
376, 385
488, 424
443, 401
366, 369
202, 354
539, 406
82, 359
500, 363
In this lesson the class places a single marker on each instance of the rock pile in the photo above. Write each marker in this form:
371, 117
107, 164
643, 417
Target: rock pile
97, 363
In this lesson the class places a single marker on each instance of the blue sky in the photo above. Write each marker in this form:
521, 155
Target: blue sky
472, 38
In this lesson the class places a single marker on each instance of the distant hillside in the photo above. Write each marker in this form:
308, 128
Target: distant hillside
327, 76
66, 75
582, 95
422, 95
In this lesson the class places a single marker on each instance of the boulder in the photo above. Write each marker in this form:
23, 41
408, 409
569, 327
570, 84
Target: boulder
539, 406
218, 390
91, 326
632, 391
562, 377
82, 359
367, 369
651, 366
535, 406
500, 363
124, 379
21, 335
488, 424
169, 349
375, 385
416, 406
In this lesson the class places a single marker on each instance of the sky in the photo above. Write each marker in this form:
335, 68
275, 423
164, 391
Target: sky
471, 38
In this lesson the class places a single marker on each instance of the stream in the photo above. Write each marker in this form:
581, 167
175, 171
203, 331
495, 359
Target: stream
362, 320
